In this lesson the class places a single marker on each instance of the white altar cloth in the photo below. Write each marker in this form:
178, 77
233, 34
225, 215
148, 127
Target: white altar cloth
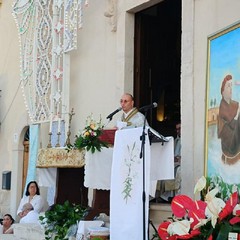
98, 166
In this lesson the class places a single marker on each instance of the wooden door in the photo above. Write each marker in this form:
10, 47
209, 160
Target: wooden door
25, 163
157, 62
70, 186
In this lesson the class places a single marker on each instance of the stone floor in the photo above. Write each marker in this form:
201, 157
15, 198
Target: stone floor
158, 213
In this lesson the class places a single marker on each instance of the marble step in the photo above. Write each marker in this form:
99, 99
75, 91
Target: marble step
25, 232
158, 212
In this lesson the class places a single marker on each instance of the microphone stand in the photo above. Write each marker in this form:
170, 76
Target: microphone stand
142, 155
107, 123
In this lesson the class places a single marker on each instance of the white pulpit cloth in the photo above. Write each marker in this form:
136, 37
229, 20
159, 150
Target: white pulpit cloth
126, 212
162, 160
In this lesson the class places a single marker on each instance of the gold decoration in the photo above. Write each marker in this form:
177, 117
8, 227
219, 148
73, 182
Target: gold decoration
50, 137
61, 158
68, 143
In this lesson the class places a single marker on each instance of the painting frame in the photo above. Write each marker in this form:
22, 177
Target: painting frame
222, 154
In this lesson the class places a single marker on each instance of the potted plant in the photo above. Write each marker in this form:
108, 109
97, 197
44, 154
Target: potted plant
61, 220
209, 219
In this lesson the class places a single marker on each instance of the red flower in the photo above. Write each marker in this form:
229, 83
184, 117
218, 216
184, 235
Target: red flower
181, 204
194, 215
197, 213
234, 220
162, 230
210, 237
230, 204
200, 205
225, 212
192, 234
238, 213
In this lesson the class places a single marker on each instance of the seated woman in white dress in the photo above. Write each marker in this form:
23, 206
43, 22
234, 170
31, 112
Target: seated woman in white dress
32, 196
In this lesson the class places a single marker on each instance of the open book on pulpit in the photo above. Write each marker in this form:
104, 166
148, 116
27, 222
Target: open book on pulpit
155, 136
108, 136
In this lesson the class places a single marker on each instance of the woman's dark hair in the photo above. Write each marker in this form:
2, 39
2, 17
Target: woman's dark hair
10, 216
27, 191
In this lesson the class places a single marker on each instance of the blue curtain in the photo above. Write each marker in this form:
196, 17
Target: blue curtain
33, 153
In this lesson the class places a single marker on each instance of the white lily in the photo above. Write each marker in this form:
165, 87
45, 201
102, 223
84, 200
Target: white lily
201, 222
200, 185
179, 227
236, 208
214, 207
211, 194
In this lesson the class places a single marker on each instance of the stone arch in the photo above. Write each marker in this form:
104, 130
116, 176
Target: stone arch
17, 162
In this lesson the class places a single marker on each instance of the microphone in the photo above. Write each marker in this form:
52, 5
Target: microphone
147, 107
113, 113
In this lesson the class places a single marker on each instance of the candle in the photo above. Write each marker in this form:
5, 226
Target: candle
59, 124
50, 127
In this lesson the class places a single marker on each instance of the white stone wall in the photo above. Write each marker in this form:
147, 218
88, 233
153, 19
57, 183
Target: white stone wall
5, 197
200, 19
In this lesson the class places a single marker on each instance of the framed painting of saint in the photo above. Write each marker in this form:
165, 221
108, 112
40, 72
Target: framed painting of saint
222, 150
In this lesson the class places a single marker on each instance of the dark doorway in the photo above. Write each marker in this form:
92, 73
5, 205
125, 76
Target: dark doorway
157, 63
70, 186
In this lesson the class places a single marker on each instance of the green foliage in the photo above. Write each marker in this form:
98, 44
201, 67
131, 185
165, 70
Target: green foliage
128, 182
225, 189
220, 232
60, 218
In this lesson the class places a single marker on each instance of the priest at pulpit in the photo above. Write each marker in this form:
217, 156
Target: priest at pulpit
131, 117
